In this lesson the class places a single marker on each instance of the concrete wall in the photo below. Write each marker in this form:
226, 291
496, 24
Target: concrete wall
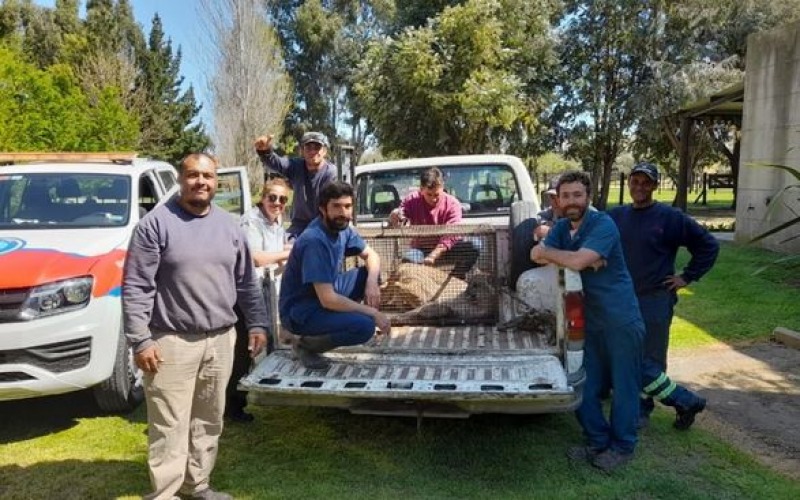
770, 134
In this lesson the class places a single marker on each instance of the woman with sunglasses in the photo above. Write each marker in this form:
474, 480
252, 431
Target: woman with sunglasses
267, 239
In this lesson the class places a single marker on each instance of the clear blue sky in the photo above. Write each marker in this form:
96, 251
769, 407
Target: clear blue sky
181, 20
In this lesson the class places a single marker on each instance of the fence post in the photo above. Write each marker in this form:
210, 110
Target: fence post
705, 189
621, 188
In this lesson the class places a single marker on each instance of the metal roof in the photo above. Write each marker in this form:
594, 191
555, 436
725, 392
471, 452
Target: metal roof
728, 102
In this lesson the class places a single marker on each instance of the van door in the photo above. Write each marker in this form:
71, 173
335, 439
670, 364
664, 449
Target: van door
233, 190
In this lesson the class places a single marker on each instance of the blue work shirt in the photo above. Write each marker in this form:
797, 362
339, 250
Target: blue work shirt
651, 237
609, 299
316, 257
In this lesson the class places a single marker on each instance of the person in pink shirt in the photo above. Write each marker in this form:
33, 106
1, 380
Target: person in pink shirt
431, 206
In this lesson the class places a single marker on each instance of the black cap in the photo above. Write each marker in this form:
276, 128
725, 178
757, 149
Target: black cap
647, 169
317, 137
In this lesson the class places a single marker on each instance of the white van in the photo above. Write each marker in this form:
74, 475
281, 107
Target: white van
65, 223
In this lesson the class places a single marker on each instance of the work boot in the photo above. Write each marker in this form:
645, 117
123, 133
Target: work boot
582, 453
684, 418
610, 460
308, 348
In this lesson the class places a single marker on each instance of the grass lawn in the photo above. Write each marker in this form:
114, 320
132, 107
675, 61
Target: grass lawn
60, 448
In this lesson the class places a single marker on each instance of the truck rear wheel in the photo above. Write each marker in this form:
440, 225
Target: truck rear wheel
523, 221
123, 391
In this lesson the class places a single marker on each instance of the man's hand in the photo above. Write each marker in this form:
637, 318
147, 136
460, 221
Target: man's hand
372, 294
538, 254
395, 218
263, 143
383, 323
434, 255
540, 232
148, 359
257, 341
599, 264
674, 282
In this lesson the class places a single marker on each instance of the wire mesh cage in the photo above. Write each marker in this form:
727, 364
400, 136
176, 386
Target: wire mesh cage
460, 287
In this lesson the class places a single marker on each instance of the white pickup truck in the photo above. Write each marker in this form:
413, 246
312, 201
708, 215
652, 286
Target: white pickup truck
494, 342
65, 223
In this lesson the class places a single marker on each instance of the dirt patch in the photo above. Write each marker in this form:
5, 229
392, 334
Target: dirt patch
753, 397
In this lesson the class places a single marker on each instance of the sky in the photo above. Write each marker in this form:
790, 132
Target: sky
180, 19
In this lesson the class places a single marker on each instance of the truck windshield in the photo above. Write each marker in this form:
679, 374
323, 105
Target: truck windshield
63, 200
482, 189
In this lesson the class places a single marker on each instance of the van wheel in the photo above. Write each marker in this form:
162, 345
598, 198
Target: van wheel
522, 223
123, 391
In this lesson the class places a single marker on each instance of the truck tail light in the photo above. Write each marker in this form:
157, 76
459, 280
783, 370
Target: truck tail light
573, 304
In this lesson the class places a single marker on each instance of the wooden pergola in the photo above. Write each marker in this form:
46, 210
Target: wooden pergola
726, 104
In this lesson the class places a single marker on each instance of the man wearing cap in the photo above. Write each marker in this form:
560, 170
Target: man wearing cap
651, 234
547, 217
307, 174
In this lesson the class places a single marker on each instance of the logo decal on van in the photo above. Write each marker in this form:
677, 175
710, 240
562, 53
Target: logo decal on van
8, 245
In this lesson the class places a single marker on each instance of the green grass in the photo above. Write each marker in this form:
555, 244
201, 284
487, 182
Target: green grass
731, 304
721, 199
317, 453
60, 448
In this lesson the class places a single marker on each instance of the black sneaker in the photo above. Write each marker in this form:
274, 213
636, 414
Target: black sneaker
610, 460
239, 416
582, 453
685, 418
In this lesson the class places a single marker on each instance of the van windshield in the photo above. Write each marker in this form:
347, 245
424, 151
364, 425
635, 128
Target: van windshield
482, 189
63, 200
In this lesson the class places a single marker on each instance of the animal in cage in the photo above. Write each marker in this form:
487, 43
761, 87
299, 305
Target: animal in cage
418, 293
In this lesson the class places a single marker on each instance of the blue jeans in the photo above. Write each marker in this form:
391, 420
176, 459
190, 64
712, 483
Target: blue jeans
657, 311
462, 255
344, 328
612, 358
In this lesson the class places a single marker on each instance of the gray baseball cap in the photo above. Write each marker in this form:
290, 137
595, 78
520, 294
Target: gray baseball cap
317, 137
647, 169
552, 185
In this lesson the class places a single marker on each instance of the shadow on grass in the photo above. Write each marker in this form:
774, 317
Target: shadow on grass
73, 479
46, 415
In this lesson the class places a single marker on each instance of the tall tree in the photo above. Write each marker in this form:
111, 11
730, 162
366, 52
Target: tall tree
44, 110
606, 49
250, 88
168, 116
470, 81
323, 41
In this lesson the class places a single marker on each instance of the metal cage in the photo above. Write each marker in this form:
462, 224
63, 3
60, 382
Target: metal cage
459, 288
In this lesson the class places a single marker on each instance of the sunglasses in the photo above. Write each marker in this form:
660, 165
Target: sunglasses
274, 198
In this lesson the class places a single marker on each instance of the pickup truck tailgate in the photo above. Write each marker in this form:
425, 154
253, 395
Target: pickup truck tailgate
424, 371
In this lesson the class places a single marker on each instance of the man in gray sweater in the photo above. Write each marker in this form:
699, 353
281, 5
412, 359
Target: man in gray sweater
188, 264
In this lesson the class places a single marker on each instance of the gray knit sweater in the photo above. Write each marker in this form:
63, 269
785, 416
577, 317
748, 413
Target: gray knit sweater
184, 273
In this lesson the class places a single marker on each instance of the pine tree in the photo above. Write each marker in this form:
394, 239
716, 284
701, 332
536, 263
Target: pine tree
168, 116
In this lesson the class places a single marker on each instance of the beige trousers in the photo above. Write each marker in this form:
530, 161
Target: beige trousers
185, 407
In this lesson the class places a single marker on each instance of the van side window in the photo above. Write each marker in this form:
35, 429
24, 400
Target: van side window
167, 179
148, 196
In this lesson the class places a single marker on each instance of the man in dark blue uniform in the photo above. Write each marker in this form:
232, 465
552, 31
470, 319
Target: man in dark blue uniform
651, 235
588, 241
318, 302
